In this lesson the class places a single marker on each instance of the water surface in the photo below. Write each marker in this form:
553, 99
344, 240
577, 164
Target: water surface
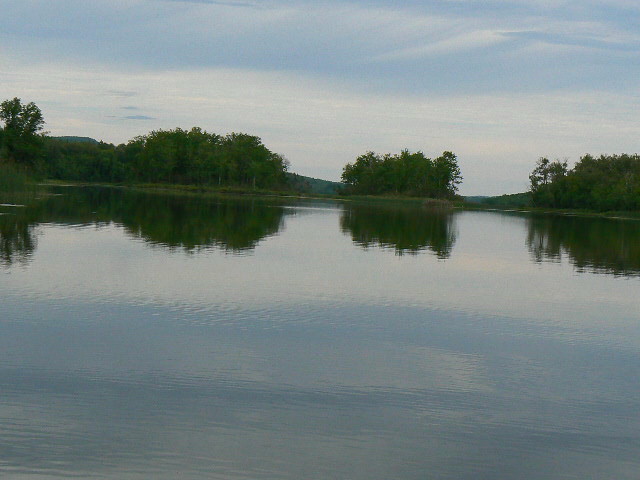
163, 336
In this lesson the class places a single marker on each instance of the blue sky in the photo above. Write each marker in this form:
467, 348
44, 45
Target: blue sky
500, 83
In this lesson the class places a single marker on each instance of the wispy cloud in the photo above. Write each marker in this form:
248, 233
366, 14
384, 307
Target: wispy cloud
139, 117
458, 45
584, 41
500, 82
120, 93
448, 46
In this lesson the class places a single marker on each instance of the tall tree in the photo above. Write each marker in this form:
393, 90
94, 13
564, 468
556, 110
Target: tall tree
22, 125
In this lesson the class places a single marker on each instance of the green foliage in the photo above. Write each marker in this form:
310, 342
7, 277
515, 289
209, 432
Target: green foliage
12, 178
190, 157
607, 183
193, 157
20, 140
83, 161
406, 173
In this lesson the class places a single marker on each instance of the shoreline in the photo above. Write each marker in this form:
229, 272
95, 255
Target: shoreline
458, 204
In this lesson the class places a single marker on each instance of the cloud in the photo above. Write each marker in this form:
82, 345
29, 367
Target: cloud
139, 117
321, 124
120, 93
588, 42
422, 47
496, 82
468, 41
456, 45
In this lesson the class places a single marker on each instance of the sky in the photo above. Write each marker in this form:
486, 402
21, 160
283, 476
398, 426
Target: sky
500, 82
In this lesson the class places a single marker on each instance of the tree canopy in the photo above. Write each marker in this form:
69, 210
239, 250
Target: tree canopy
608, 182
194, 157
404, 173
20, 139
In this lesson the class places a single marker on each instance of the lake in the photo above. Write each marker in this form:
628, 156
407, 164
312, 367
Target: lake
147, 335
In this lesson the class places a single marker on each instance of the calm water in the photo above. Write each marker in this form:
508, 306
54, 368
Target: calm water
150, 336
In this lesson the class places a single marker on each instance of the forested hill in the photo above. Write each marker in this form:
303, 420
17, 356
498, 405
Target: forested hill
303, 184
508, 200
72, 139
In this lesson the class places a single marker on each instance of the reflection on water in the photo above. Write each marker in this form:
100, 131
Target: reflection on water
311, 358
174, 221
17, 236
599, 245
405, 229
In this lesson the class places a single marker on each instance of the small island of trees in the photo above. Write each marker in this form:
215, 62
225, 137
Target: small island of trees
406, 173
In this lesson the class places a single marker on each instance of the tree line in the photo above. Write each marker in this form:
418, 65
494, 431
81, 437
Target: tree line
405, 173
198, 157
605, 183
192, 156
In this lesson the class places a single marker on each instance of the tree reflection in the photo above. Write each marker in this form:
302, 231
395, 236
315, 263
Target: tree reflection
598, 245
186, 222
407, 230
17, 237
191, 223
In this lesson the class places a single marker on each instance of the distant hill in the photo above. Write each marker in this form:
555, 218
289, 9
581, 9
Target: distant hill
72, 139
304, 184
510, 200
476, 199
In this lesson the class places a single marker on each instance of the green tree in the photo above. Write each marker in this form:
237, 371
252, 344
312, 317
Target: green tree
608, 182
446, 175
404, 173
22, 125
548, 183
198, 157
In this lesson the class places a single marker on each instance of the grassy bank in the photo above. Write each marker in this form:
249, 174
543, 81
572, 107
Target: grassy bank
13, 180
368, 199
182, 189
242, 190
550, 211
16, 186
400, 200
